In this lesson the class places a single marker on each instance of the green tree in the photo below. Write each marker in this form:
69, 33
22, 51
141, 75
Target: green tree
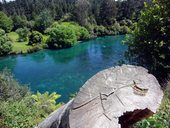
5, 43
23, 34
61, 36
108, 12
43, 21
5, 22
150, 41
35, 38
21, 22
82, 11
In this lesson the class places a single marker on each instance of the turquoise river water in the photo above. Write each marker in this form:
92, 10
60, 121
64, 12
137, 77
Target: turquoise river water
65, 71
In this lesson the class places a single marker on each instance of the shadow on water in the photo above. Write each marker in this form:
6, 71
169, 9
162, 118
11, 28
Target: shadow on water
65, 71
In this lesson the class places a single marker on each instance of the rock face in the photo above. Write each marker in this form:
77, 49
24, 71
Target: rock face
113, 98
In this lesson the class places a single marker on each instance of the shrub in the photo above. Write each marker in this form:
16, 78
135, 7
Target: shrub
100, 30
129, 23
5, 22
29, 111
81, 32
23, 34
2, 32
5, 43
46, 101
124, 30
84, 34
10, 89
35, 38
20, 109
123, 23
61, 36
115, 29
160, 119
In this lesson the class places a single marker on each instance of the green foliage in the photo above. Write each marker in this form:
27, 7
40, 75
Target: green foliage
2, 32
100, 30
10, 89
5, 43
66, 34
160, 119
35, 38
115, 29
46, 101
61, 37
5, 22
107, 12
124, 30
21, 22
20, 114
150, 41
81, 32
81, 11
84, 34
20, 109
43, 21
23, 34
29, 111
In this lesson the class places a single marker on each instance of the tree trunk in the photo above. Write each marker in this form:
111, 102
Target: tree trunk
113, 98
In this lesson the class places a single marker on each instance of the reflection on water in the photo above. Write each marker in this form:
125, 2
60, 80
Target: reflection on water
65, 71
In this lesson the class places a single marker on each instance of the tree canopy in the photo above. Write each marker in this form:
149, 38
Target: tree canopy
150, 41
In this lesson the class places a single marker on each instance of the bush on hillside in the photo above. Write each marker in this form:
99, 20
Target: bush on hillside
5, 43
23, 34
35, 38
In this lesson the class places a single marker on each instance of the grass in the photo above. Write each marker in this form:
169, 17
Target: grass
18, 46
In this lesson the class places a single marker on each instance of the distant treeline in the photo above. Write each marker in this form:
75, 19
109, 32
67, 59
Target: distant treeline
100, 12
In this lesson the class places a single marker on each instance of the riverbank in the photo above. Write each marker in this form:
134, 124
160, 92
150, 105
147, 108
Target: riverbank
22, 48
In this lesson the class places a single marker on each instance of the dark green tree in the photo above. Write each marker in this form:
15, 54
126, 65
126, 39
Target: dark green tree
5, 22
35, 38
82, 11
5, 43
108, 12
43, 21
150, 41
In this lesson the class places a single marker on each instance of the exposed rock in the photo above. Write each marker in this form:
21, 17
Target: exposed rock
113, 98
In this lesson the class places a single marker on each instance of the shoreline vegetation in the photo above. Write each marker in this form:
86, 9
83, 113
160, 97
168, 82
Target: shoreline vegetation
21, 46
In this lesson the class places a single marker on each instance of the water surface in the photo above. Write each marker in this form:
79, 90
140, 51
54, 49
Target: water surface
65, 71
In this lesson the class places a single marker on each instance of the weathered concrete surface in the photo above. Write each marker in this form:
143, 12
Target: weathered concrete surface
114, 97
